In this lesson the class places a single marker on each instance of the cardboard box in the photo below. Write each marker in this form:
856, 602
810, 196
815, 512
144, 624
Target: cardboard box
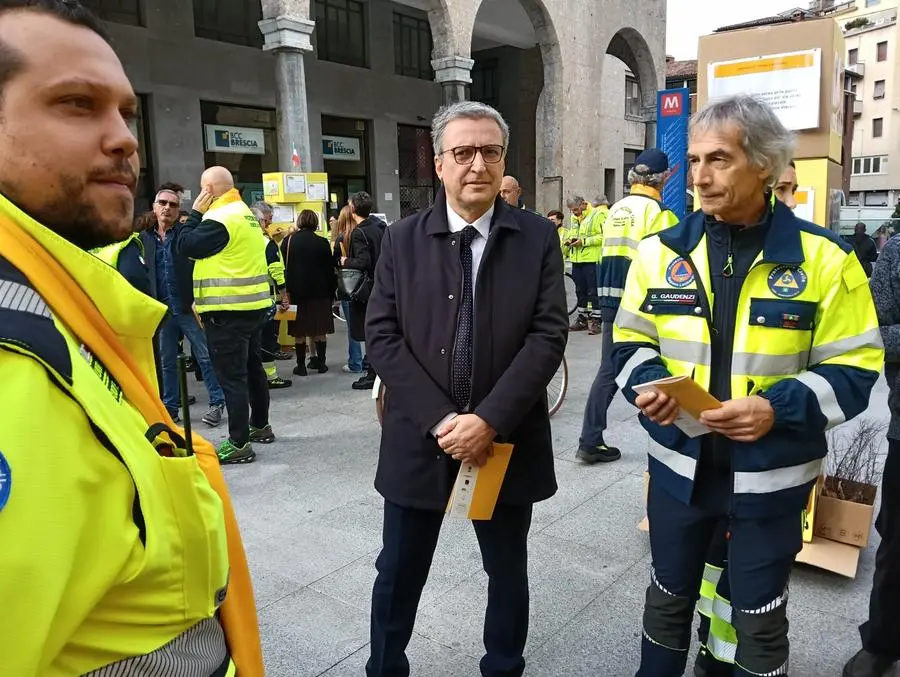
846, 521
839, 558
755, 44
822, 177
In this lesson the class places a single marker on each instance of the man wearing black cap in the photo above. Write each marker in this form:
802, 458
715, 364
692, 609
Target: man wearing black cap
637, 215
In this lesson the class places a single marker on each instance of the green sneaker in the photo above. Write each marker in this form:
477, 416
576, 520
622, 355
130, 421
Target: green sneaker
262, 435
228, 452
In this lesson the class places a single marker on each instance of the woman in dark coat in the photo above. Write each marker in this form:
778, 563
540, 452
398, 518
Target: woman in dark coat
310, 279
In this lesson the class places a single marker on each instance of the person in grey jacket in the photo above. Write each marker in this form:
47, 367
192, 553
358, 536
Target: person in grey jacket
881, 633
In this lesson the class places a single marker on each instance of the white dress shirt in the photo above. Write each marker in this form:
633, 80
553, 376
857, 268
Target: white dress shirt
483, 226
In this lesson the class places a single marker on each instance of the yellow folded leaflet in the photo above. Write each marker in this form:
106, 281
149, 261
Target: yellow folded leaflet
476, 489
692, 400
289, 314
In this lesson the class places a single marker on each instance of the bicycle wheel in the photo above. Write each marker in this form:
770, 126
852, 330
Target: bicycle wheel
556, 389
337, 311
571, 294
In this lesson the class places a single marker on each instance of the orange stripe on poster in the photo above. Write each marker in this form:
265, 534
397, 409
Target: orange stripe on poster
767, 65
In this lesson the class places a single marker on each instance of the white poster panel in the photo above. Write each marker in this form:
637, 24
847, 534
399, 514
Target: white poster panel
790, 83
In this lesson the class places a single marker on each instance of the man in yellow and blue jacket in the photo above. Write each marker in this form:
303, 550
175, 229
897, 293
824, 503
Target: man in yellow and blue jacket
634, 217
121, 554
790, 346
582, 242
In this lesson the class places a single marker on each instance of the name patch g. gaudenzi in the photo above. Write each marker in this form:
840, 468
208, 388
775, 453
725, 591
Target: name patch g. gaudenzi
670, 301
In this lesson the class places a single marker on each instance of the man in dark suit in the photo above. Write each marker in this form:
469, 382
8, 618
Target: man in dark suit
465, 351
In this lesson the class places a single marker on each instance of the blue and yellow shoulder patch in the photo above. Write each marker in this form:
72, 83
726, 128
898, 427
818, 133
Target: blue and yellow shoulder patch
26, 324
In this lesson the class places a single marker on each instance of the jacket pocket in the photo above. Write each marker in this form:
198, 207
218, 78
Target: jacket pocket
783, 314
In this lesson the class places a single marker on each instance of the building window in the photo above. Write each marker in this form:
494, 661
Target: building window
632, 97
418, 181
875, 198
872, 3
117, 11
853, 199
877, 127
627, 166
234, 21
879, 89
247, 162
485, 82
881, 51
870, 165
341, 32
853, 56
412, 47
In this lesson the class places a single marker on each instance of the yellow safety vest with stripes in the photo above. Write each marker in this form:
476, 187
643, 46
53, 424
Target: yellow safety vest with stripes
110, 253
116, 559
587, 228
237, 278
806, 338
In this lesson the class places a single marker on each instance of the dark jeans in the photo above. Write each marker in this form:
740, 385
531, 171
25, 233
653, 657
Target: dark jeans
234, 339
169, 335
881, 633
585, 277
269, 344
409, 538
354, 348
761, 553
604, 387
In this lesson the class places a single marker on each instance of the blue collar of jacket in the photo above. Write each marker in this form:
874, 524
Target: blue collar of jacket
782, 246
436, 220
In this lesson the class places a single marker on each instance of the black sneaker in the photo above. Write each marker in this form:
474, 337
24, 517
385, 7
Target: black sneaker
866, 664
367, 382
278, 382
229, 453
262, 435
598, 454
300, 370
283, 355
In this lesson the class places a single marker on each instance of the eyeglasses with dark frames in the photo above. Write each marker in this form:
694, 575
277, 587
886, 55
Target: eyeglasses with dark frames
465, 155
167, 203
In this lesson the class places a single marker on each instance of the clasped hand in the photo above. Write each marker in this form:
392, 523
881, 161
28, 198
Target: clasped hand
467, 438
745, 419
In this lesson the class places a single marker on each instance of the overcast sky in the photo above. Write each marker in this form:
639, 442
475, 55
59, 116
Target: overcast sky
685, 24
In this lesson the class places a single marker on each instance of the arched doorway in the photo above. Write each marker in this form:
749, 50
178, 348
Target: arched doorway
630, 66
517, 70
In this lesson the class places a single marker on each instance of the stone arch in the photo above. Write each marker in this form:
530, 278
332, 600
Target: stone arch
629, 46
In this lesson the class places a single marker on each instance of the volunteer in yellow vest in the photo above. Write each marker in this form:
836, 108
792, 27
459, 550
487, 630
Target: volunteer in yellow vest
791, 347
637, 215
582, 241
231, 294
127, 257
270, 350
716, 634
121, 553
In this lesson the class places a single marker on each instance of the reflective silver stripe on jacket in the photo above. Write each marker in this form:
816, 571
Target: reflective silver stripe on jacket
677, 463
620, 242
769, 481
233, 299
722, 608
685, 351
723, 650
826, 396
640, 356
231, 281
827, 351
759, 364
625, 319
198, 652
15, 296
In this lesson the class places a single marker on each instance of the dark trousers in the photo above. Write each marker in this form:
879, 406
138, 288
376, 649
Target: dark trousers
761, 553
234, 339
881, 633
269, 345
409, 537
604, 387
585, 276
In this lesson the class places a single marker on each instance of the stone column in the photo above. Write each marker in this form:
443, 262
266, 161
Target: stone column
648, 113
289, 38
454, 74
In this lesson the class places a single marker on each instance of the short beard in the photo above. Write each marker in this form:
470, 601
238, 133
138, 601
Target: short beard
71, 216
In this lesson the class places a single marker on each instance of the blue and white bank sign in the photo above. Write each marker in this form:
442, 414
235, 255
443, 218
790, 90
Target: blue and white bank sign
5, 480
240, 140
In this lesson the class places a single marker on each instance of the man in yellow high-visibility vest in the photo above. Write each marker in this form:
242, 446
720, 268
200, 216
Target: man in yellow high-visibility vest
232, 297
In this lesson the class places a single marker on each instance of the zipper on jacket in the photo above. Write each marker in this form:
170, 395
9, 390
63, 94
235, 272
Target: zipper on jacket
728, 270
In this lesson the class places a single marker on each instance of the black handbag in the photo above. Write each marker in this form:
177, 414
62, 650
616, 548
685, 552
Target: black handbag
352, 284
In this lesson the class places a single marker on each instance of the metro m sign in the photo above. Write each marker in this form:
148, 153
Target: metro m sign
671, 104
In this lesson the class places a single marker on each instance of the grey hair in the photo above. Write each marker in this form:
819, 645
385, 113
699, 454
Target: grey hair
464, 110
262, 209
641, 175
765, 140
575, 201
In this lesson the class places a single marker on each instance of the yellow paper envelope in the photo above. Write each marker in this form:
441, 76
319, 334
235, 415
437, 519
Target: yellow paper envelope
476, 489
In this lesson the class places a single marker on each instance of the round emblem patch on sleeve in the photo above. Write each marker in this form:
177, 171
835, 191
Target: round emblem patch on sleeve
5, 481
786, 282
679, 273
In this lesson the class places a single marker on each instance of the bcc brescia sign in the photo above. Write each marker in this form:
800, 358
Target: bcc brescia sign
242, 140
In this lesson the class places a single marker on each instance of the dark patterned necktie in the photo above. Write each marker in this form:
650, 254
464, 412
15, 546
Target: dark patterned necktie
462, 350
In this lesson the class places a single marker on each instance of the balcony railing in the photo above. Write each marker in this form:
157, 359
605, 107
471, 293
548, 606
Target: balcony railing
857, 107
856, 70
